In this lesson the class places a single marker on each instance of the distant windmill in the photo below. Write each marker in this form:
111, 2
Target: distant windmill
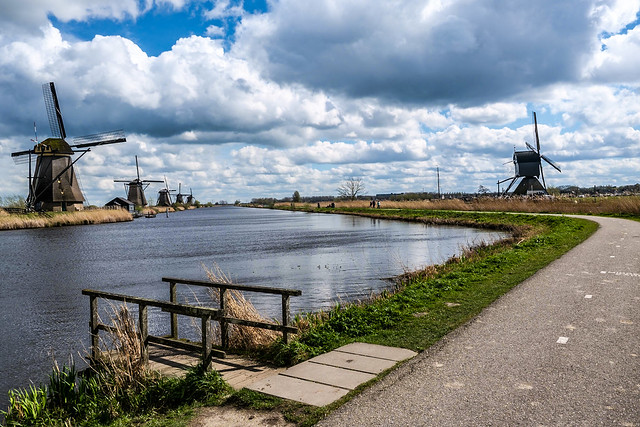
164, 195
528, 166
135, 192
54, 184
190, 197
179, 196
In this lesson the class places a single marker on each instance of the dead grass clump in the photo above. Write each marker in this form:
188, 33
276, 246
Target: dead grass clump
121, 357
236, 305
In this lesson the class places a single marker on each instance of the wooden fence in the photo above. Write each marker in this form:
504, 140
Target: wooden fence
205, 314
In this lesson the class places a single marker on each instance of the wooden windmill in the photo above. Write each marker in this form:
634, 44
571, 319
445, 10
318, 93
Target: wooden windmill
528, 166
180, 198
135, 187
164, 195
54, 183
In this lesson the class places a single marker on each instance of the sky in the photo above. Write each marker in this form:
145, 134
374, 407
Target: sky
238, 100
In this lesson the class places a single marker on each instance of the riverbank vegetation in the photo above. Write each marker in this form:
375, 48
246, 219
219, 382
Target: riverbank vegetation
12, 221
623, 206
421, 308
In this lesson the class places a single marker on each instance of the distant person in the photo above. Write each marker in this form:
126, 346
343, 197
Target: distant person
318, 205
378, 204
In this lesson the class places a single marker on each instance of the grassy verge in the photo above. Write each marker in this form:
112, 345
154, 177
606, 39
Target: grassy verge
57, 219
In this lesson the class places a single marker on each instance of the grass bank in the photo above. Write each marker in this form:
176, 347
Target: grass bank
58, 219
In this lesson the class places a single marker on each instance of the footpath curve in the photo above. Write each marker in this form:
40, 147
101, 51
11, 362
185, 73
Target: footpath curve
561, 348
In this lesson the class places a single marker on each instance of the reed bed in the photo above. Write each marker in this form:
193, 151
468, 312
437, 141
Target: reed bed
620, 205
58, 219
236, 305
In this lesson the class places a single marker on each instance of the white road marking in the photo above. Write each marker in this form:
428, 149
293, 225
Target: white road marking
588, 296
562, 340
621, 273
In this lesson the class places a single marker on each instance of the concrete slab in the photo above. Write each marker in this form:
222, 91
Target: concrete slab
299, 390
329, 375
355, 362
379, 351
326, 378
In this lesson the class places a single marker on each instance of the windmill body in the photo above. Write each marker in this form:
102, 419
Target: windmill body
528, 167
164, 198
164, 195
54, 185
54, 182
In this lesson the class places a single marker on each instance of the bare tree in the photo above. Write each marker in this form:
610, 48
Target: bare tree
350, 188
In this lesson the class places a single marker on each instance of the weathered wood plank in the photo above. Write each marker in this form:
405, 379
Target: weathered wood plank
248, 288
187, 310
263, 325
185, 345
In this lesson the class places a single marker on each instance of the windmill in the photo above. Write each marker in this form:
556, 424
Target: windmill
528, 166
54, 184
164, 195
135, 192
180, 197
190, 197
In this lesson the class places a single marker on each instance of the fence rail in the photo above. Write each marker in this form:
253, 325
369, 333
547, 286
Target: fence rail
226, 320
174, 308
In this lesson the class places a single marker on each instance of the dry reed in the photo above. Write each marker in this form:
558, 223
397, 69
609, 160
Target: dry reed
236, 305
562, 205
90, 216
122, 352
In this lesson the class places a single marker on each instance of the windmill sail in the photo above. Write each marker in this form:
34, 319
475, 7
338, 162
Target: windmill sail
103, 138
53, 110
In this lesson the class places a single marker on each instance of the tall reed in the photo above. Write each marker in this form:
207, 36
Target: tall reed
236, 305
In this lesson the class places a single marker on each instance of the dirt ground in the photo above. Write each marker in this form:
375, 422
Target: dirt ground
236, 417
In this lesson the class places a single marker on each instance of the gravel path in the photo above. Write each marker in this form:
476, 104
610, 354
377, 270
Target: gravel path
562, 348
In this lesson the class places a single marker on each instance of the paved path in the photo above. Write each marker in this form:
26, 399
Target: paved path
562, 348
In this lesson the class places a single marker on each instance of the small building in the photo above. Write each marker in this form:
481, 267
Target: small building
122, 203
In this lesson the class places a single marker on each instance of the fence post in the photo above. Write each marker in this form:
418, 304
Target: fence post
206, 342
174, 316
285, 317
144, 331
224, 327
93, 327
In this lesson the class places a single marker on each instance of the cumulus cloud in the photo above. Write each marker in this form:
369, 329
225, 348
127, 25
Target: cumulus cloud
462, 51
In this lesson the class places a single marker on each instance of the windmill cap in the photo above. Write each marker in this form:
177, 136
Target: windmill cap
56, 145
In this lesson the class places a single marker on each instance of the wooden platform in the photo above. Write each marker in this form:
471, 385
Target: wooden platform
236, 370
